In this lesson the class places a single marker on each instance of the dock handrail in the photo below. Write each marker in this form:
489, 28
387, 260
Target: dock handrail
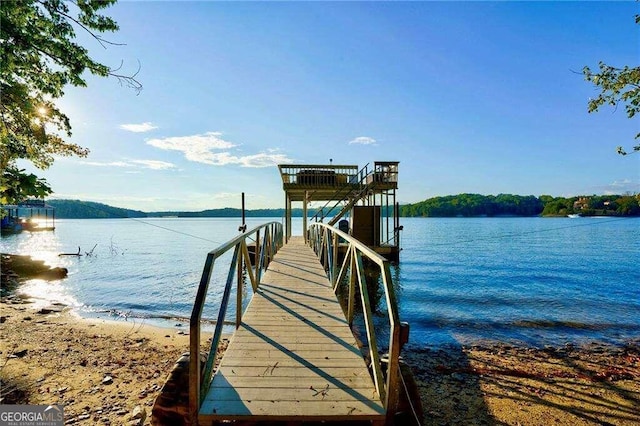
266, 248
324, 239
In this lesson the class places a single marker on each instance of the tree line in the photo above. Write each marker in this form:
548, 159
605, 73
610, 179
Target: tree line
76, 209
461, 205
474, 205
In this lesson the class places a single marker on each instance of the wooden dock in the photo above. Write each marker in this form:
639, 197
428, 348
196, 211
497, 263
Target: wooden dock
293, 357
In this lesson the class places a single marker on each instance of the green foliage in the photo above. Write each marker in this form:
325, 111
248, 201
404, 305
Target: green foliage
474, 205
469, 205
18, 185
628, 206
38, 58
75, 209
229, 212
449, 206
617, 85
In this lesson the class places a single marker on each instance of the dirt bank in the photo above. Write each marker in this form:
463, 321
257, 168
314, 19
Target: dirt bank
110, 373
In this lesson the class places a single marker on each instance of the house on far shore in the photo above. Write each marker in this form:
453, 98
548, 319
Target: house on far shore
581, 203
30, 215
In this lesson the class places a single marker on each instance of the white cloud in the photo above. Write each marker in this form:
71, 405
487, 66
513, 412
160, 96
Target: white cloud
210, 148
264, 160
108, 164
252, 161
139, 128
144, 164
363, 140
621, 186
196, 148
621, 183
154, 164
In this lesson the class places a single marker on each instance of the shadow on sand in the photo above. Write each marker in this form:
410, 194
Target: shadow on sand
498, 384
449, 396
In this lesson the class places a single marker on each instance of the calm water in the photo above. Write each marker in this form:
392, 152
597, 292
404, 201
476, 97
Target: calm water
522, 280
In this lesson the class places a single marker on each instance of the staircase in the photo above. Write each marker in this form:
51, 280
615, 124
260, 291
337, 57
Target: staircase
350, 194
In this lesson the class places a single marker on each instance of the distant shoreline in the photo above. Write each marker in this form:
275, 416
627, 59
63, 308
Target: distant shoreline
462, 205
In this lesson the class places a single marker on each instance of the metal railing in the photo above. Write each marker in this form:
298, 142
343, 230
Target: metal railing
317, 175
324, 239
343, 193
265, 249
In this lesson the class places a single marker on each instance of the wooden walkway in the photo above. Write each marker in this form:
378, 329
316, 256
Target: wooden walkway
294, 357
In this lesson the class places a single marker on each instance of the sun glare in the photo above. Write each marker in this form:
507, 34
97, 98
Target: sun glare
42, 111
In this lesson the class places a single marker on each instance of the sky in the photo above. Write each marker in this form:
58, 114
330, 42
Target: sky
469, 97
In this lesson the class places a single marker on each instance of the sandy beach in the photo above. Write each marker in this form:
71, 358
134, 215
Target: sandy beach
102, 370
99, 370
497, 384
110, 373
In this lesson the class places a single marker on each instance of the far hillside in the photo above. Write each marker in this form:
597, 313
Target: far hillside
461, 205
76, 209
473, 205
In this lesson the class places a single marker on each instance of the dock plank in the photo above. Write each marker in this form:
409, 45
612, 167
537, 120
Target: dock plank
294, 356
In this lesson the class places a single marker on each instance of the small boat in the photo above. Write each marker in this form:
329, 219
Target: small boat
573, 216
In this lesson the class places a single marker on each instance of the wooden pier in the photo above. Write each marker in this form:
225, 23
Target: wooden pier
293, 357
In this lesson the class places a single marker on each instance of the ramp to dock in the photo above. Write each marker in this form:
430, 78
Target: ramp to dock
293, 357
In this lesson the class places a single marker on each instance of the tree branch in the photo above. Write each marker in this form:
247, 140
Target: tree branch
80, 24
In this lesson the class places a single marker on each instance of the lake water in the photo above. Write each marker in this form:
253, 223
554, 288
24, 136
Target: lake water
533, 281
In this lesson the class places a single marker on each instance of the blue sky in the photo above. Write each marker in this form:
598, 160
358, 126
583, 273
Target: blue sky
482, 97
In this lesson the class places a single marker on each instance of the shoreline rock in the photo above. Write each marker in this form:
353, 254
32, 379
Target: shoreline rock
15, 269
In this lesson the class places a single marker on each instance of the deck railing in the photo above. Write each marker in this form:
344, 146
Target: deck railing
266, 246
318, 175
324, 239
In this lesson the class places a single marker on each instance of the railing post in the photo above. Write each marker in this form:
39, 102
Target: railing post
393, 374
194, 340
239, 286
325, 248
330, 258
352, 285
304, 216
267, 247
335, 259
257, 258
393, 369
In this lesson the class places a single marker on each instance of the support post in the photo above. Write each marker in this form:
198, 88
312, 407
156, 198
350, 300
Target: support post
239, 283
304, 216
257, 259
287, 213
334, 236
243, 226
352, 285
290, 218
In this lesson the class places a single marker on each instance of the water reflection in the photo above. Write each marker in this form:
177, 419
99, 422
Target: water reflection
46, 293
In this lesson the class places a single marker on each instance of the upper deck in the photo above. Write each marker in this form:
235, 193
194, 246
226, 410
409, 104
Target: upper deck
321, 182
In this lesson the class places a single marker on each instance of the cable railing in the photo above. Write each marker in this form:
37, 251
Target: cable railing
268, 239
325, 241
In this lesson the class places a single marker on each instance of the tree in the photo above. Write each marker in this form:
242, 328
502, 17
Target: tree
617, 85
38, 58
